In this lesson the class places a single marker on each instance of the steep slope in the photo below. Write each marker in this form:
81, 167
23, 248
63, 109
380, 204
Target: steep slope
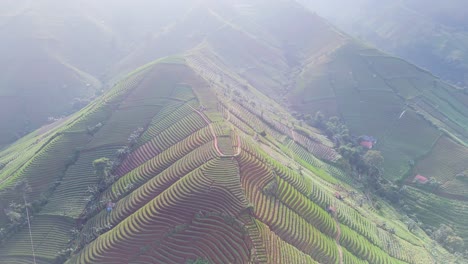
433, 36
199, 182
57, 55
207, 160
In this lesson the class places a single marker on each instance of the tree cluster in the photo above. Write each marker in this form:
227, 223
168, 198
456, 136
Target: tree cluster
446, 237
365, 166
16, 211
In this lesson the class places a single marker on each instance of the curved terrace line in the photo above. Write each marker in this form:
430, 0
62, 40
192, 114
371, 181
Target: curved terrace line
221, 154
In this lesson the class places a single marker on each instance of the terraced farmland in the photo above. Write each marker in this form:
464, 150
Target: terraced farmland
196, 186
210, 155
445, 161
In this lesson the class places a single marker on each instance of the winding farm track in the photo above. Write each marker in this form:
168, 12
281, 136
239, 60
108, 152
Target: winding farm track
238, 137
216, 138
337, 239
292, 134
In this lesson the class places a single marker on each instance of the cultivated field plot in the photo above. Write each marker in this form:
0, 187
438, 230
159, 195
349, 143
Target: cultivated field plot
435, 210
444, 162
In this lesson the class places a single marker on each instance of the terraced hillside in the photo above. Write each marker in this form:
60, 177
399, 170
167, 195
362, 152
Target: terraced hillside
206, 156
200, 181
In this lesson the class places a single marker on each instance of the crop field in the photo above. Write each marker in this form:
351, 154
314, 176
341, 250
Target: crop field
69, 198
435, 210
404, 142
210, 155
446, 160
50, 234
199, 181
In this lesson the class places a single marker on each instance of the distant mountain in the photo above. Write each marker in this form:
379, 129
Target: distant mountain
212, 154
433, 36
56, 55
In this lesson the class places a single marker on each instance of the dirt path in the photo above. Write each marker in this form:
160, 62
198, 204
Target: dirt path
337, 239
238, 137
239, 147
216, 138
293, 134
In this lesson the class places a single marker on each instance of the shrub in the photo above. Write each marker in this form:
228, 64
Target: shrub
102, 167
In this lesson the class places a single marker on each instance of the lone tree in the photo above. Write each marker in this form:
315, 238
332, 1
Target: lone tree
374, 161
447, 237
102, 167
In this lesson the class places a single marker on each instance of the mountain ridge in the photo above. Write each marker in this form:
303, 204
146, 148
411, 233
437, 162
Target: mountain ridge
213, 147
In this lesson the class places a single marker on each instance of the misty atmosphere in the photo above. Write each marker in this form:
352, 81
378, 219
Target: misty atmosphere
233, 131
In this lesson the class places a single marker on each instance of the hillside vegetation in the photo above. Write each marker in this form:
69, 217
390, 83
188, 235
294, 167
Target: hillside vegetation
433, 36
216, 154
199, 182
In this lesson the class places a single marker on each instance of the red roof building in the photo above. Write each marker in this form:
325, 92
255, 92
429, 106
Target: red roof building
366, 144
421, 179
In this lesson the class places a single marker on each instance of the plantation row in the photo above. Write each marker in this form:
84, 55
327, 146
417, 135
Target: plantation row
432, 113
457, 187
288, 225
310, 159
361, 247
265, 118
195, 192
315, 214
252, 120
195, 133
18, 153
310, 211
317, 149
156, 183
304, 189
435, 210
225, 173
244, 127
403, 249
148, 151
70, 196
210, 237
277, 250
49, 233
144, 101
446, 160
117, 129
453, 111
41, 170
167, 117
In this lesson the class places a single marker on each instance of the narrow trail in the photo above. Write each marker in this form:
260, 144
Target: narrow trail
337, 239
30, 232
216, 138
293, 134
238, 137
239, 147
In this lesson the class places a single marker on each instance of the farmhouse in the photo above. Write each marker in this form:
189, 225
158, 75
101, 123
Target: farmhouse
420, 179
367, 141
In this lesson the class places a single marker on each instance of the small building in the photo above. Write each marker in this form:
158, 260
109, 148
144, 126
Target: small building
367, 142
420, 179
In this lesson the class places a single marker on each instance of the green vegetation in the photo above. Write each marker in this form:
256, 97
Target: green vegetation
219, 155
